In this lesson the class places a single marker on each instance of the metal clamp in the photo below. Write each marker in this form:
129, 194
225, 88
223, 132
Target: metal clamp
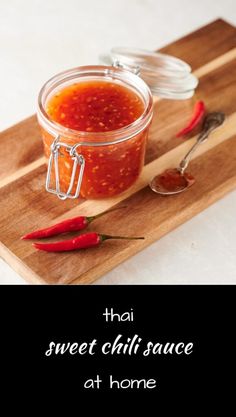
128, 67
53, 160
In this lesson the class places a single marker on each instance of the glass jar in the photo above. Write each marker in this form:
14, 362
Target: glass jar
103, 164
110, 162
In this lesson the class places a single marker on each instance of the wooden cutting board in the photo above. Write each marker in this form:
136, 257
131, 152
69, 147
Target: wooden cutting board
24, 204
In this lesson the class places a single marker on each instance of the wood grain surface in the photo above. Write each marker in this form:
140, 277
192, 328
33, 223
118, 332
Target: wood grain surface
24, 204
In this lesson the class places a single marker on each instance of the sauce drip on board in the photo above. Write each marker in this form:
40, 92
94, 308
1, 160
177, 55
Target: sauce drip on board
99, 106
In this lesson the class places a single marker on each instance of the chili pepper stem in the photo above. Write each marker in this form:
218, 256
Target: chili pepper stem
91, 218
106, 237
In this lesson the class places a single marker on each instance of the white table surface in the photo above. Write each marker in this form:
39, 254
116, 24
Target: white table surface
40, 38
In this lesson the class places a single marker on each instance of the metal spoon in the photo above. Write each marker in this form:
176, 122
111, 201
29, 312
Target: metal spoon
177, 177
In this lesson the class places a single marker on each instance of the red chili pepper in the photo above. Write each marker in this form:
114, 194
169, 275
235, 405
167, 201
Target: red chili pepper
69, 225
198, 113
86, 240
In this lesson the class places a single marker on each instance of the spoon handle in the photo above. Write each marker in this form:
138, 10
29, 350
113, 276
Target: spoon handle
185, 161
211, 122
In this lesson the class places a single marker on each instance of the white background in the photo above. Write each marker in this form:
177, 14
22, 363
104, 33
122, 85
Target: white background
40, 38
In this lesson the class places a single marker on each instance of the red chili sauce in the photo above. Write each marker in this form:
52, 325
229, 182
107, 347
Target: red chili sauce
95, 106
171, 180
99, 106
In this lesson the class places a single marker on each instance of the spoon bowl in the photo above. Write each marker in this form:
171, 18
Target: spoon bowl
171, 182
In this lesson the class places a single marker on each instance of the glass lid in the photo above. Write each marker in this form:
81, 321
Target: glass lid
167, 76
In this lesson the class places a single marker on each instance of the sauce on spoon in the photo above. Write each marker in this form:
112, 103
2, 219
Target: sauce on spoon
173, 181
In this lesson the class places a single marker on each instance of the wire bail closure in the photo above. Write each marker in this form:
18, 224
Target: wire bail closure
53, 160
135, 69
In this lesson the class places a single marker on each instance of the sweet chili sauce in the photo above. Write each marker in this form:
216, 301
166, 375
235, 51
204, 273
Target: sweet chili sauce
172, 180
99, 106
95, 106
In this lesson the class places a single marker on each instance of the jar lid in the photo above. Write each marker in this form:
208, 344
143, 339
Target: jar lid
166, 76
